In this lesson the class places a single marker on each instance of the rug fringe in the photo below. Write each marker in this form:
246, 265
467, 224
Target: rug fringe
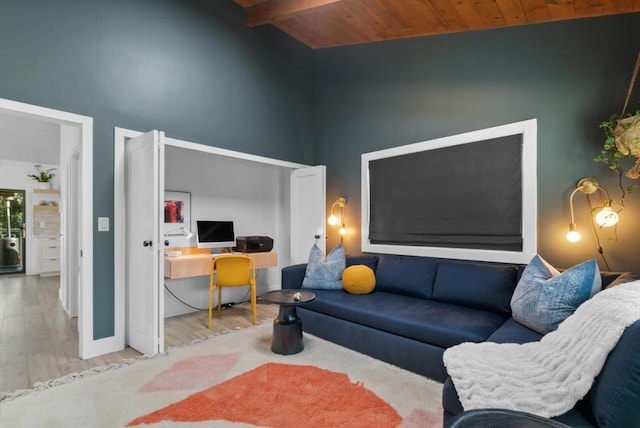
72, 377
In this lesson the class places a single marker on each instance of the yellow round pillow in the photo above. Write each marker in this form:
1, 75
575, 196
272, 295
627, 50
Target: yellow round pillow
358, 279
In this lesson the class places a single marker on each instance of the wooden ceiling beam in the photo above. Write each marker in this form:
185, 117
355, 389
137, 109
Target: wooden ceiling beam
272, 11
327, 23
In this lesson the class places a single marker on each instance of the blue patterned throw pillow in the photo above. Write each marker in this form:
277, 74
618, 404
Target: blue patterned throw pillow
545, 297
325, 273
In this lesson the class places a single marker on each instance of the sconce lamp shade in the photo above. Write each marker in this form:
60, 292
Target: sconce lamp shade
605, 217
573, 235
332, 220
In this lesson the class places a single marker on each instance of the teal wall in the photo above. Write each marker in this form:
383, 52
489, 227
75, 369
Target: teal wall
568, 75
189, 68
194, 70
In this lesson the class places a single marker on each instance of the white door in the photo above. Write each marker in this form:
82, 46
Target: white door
73, 250
70, 232
308, 212
144, 183
64, 245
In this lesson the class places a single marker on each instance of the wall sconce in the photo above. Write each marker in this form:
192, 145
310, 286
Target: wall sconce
334, 220
605, 217
182, 231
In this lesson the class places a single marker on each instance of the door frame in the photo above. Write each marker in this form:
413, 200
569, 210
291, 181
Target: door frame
119, 214
88, 346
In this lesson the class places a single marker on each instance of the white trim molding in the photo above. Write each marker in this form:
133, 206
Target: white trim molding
528, 130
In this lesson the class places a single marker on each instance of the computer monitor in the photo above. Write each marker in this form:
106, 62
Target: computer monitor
215, 234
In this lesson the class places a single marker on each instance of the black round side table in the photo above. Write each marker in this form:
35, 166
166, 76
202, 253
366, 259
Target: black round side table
287, 327
501, 418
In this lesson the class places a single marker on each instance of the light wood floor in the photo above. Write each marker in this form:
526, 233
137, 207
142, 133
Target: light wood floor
38, 341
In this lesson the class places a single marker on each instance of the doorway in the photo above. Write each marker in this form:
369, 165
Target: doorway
12, 113
12, 231
281, 210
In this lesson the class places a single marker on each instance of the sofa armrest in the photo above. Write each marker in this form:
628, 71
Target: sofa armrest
451, 405
292, 276
614, 394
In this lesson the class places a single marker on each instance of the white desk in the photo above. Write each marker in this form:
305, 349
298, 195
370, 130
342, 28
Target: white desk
191, 265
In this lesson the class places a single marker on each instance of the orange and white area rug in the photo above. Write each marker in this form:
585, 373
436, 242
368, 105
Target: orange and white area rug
235, 380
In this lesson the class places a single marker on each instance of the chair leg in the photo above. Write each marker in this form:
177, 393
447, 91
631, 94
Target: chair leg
219, 301
210, 305
254, 309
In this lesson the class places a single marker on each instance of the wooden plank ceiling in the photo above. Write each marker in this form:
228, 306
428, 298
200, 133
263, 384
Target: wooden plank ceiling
327, 23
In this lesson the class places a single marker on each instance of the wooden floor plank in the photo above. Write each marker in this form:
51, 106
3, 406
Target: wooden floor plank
38, 341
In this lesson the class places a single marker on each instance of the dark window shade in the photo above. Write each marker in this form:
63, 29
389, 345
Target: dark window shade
464, 196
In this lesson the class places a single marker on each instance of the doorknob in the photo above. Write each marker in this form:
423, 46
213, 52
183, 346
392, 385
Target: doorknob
147, 243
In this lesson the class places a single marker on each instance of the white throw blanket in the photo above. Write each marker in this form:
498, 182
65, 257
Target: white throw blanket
548, 377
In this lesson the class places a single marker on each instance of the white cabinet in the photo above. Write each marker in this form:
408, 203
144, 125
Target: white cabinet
47, 253
46, 231
46, 213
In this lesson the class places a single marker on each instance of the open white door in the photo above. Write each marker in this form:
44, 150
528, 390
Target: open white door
75, 278
70, 217
73, 235
308, 212
144, 183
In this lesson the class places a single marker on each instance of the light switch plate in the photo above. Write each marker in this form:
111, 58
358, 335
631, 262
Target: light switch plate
103, 224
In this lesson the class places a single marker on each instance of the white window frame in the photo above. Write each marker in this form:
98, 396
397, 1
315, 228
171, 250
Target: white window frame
528, 130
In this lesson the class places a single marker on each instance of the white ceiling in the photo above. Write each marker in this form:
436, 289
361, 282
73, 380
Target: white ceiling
29, 140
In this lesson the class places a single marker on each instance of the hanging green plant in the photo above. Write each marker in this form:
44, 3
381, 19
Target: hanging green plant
622, 142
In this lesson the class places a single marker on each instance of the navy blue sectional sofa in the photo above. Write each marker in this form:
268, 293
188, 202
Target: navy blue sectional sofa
422, 306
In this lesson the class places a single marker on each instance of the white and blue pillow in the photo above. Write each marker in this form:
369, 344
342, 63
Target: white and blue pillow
545, 297
325, 273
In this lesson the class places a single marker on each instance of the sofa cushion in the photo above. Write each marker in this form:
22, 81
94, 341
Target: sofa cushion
612, 279
363, 259
436, 323
358, 279
406, 275
615, 394
325, 273
475, 285
513, 332
545, 297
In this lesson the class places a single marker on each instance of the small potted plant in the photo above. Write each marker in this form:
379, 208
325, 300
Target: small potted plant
43, 177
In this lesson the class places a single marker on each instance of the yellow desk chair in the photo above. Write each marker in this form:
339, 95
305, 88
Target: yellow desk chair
232, 271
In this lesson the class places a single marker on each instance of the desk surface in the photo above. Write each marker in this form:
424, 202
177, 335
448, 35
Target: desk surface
200, 264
